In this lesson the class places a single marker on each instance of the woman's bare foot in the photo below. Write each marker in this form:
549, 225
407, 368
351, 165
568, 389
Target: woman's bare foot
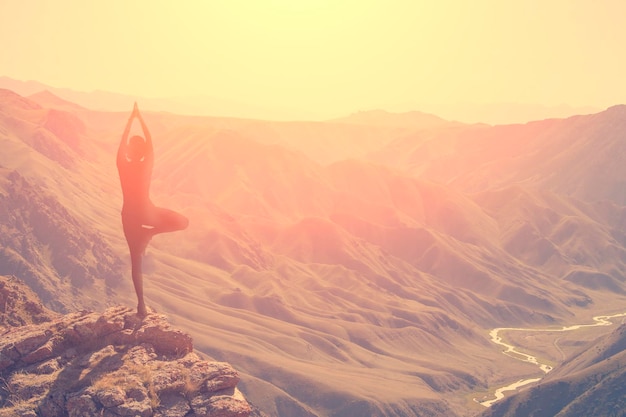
141, 310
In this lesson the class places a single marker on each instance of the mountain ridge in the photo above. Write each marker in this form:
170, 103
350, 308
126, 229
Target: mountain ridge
317, 269
469, 113
412, 119
538, 154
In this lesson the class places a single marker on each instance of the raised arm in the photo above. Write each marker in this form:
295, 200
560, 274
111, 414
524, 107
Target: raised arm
121, 149
146, 134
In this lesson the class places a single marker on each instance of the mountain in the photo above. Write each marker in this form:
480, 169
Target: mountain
60, 257
352, 136
574, 241
580, 156
507, 113
47, 99
48, 239
490, 113
24, 88
109, 101
590, 383
381, 118
342, 268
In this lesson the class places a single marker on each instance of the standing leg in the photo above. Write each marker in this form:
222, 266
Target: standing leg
136, 261
137, 240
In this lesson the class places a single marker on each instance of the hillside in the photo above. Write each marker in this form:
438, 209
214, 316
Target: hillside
19, 305
336, 285
580, 156
63, 259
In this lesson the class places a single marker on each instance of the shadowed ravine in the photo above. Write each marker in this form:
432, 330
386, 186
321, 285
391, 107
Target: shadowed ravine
512, 351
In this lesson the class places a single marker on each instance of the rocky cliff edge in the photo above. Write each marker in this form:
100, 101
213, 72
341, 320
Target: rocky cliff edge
111, 364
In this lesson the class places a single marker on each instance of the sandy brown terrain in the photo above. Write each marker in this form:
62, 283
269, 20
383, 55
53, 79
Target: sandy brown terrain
345, 268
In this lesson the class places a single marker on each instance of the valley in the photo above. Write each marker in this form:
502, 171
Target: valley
349, 267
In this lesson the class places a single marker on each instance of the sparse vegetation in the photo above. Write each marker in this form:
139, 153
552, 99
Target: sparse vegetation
191, 385
126, 377
7, 396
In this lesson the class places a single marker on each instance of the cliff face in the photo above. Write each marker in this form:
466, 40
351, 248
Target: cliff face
111, 364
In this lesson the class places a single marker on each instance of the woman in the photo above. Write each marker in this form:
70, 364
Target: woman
141, 219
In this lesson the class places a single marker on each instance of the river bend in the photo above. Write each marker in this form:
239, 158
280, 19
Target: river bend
512, 351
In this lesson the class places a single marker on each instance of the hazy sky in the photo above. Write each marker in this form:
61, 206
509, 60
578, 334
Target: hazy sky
326, 57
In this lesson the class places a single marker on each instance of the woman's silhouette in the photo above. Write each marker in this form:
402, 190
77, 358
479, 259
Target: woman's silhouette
141, 219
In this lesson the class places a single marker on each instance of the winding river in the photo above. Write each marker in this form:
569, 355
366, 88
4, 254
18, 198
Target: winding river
511, 351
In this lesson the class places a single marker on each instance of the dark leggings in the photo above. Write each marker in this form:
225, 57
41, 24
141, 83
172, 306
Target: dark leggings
139, 228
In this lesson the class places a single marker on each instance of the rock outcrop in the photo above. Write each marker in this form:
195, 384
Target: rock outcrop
111, 364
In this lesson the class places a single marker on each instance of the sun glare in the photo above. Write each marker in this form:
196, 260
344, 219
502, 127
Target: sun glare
324, 57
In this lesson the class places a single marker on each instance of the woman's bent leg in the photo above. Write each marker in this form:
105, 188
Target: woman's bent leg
165, 220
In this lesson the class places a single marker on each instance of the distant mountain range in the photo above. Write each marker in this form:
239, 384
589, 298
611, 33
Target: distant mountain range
348, 267
108, 101
496, 113
581, 156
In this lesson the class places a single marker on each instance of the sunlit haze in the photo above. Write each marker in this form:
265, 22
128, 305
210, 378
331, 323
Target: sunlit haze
390, 208
324, 59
